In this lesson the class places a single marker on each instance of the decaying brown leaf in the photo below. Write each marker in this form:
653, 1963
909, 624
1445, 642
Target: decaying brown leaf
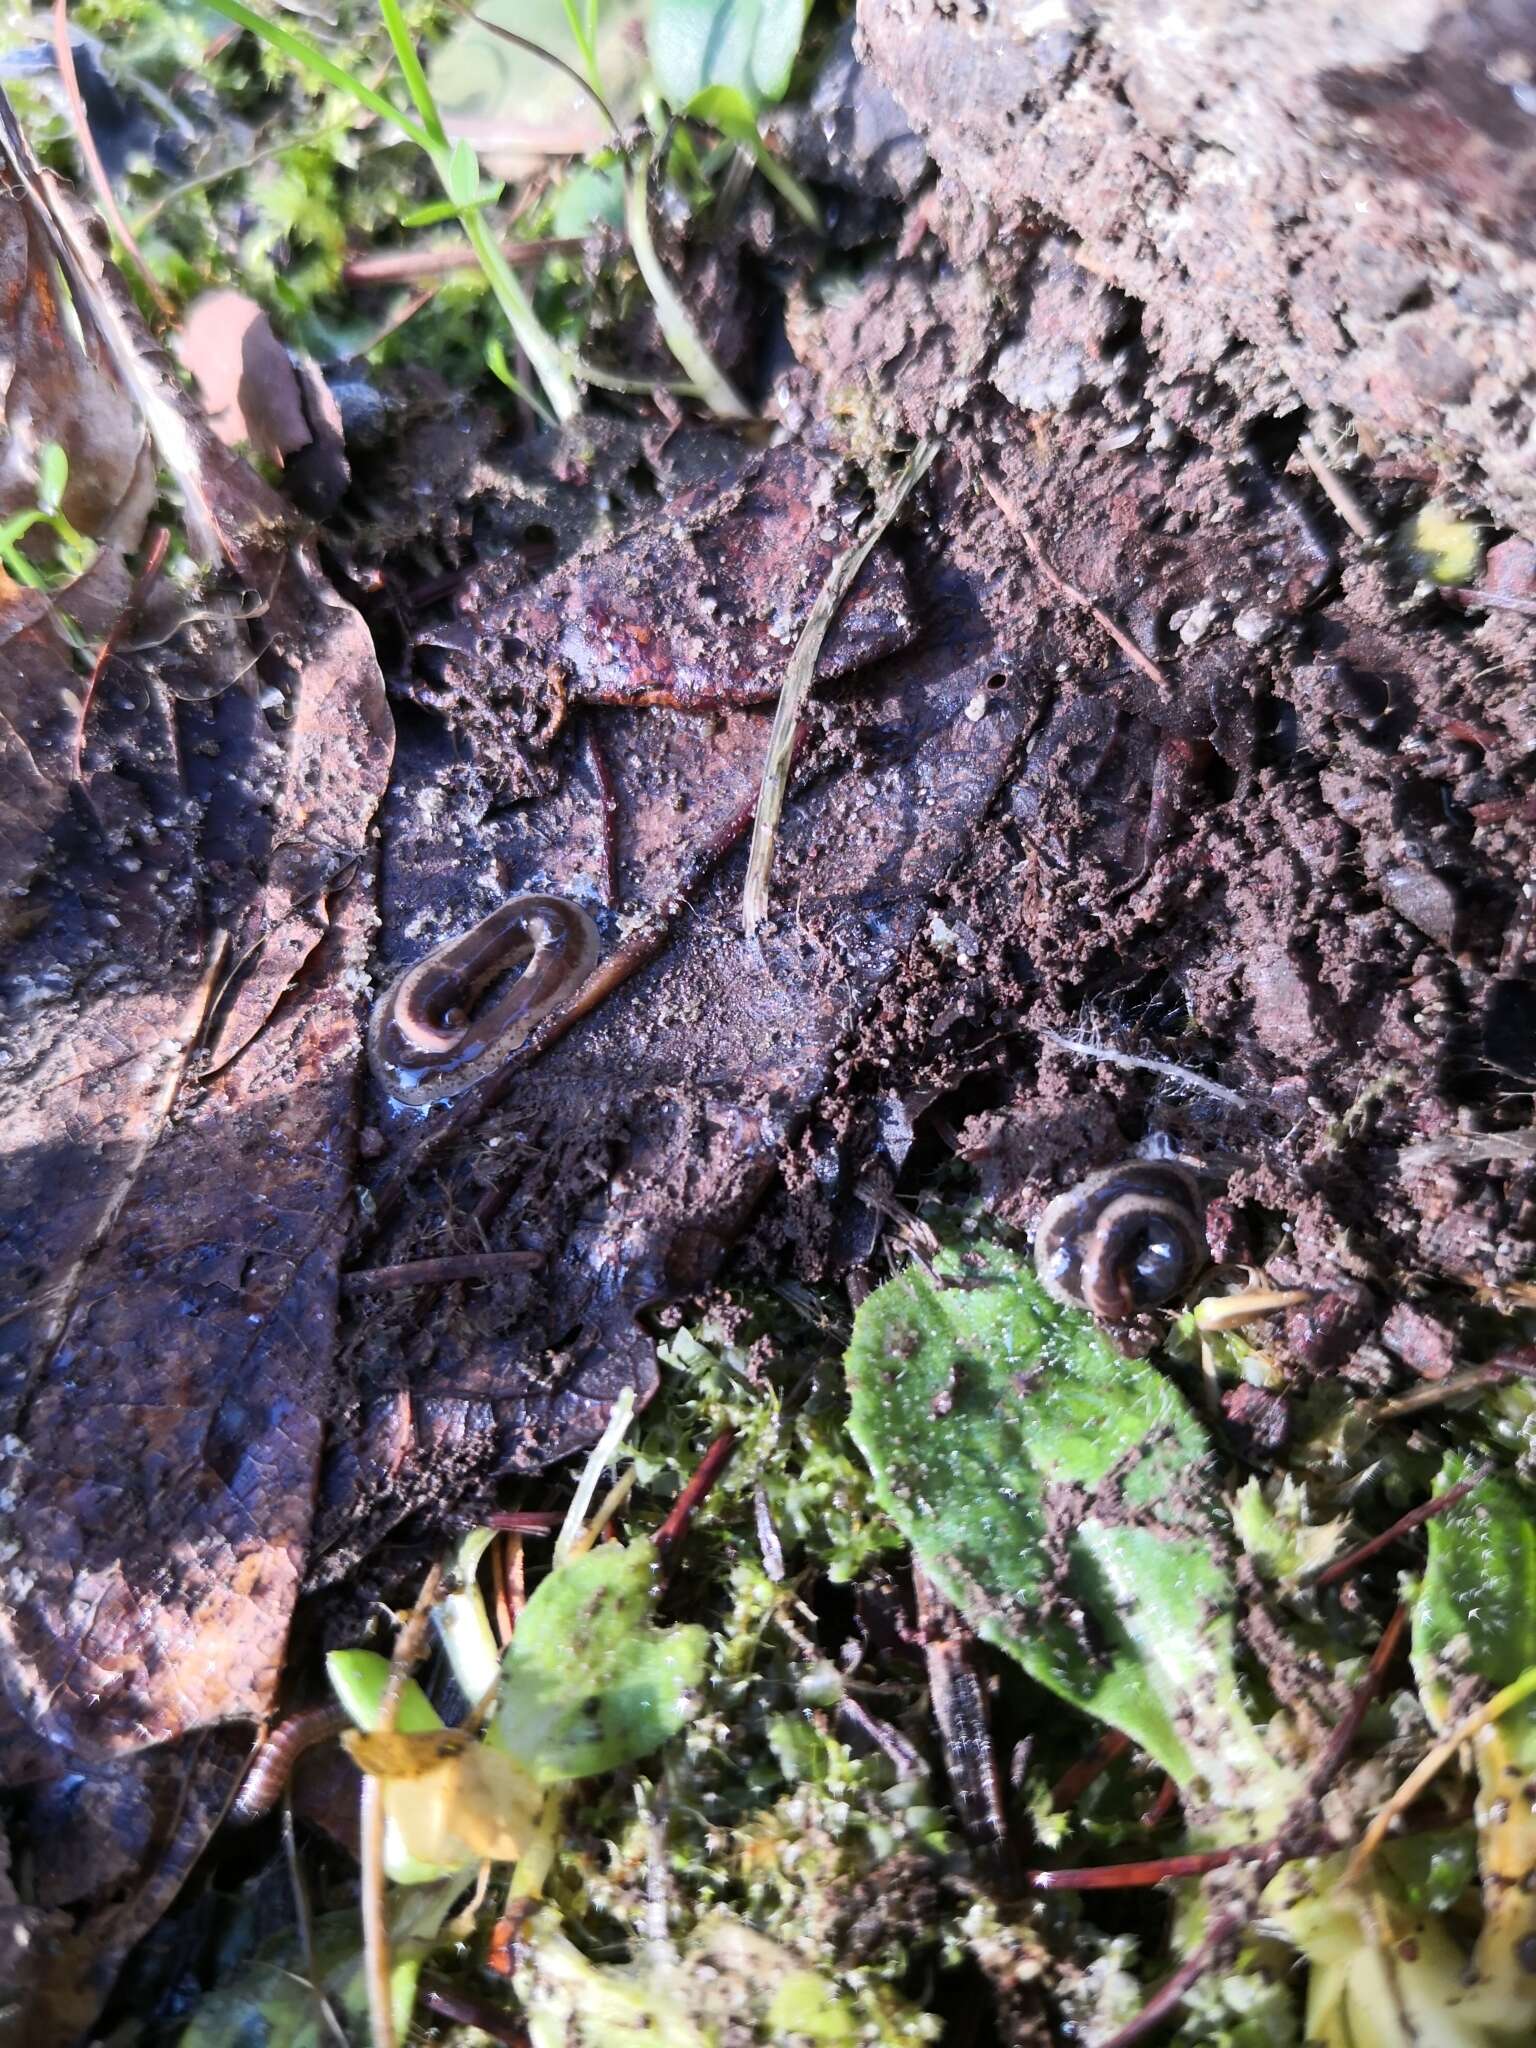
189, 871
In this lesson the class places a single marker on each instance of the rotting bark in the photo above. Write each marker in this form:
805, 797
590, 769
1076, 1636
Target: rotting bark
1313, 202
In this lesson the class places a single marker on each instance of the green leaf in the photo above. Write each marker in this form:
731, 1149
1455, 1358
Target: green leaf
1474, 1616
591, 197
461, 174
1474, 1633
589, 1682
727, 108
52, 476
432, 214
1060, 1495
271, 2002
747, 45
358, 1679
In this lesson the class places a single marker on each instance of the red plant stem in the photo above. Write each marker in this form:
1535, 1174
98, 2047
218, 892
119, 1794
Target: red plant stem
526, 1521
1345, 1567
1162, 1805
1343, 1738
1076, 1778
714, 1461
436, 1272
1124, 1877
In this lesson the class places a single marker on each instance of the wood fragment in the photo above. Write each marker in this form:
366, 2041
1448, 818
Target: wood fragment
1434, 1761
437, 1272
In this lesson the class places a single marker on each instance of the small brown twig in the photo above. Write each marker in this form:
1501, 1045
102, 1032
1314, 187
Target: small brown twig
668, 1538
1342, 1739
437, 1272
305, 1919
1346, 1566
1337, 492
406, 266
610, 815
800, 675
64, 55
1124, 1877
1014, 514
1167, 1798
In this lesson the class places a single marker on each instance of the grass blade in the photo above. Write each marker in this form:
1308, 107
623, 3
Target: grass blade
676, 323
801, 673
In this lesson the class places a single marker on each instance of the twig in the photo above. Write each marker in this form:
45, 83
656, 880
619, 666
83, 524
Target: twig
305, 1919
64, 55
1345, 1567
376, 1960
800, 674
1431, 1764
1342, 1740
405, 266
437, 1272
1110, 1056
1337, 492
1167, 1798
1014, 514
609, 804
449, 2003
1498, 1372
143, 583
668, 1538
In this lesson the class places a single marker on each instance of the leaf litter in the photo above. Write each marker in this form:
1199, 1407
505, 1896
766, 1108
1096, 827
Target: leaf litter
1103, 841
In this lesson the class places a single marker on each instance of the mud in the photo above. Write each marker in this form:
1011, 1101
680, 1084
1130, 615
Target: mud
1315, 206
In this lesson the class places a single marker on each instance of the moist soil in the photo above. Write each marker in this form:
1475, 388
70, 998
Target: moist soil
1141, 803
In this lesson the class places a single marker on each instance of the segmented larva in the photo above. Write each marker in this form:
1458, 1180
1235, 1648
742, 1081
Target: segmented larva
270, 1767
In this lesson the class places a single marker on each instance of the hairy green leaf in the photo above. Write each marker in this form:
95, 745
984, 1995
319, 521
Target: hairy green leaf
1060, 1495
589, 1681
